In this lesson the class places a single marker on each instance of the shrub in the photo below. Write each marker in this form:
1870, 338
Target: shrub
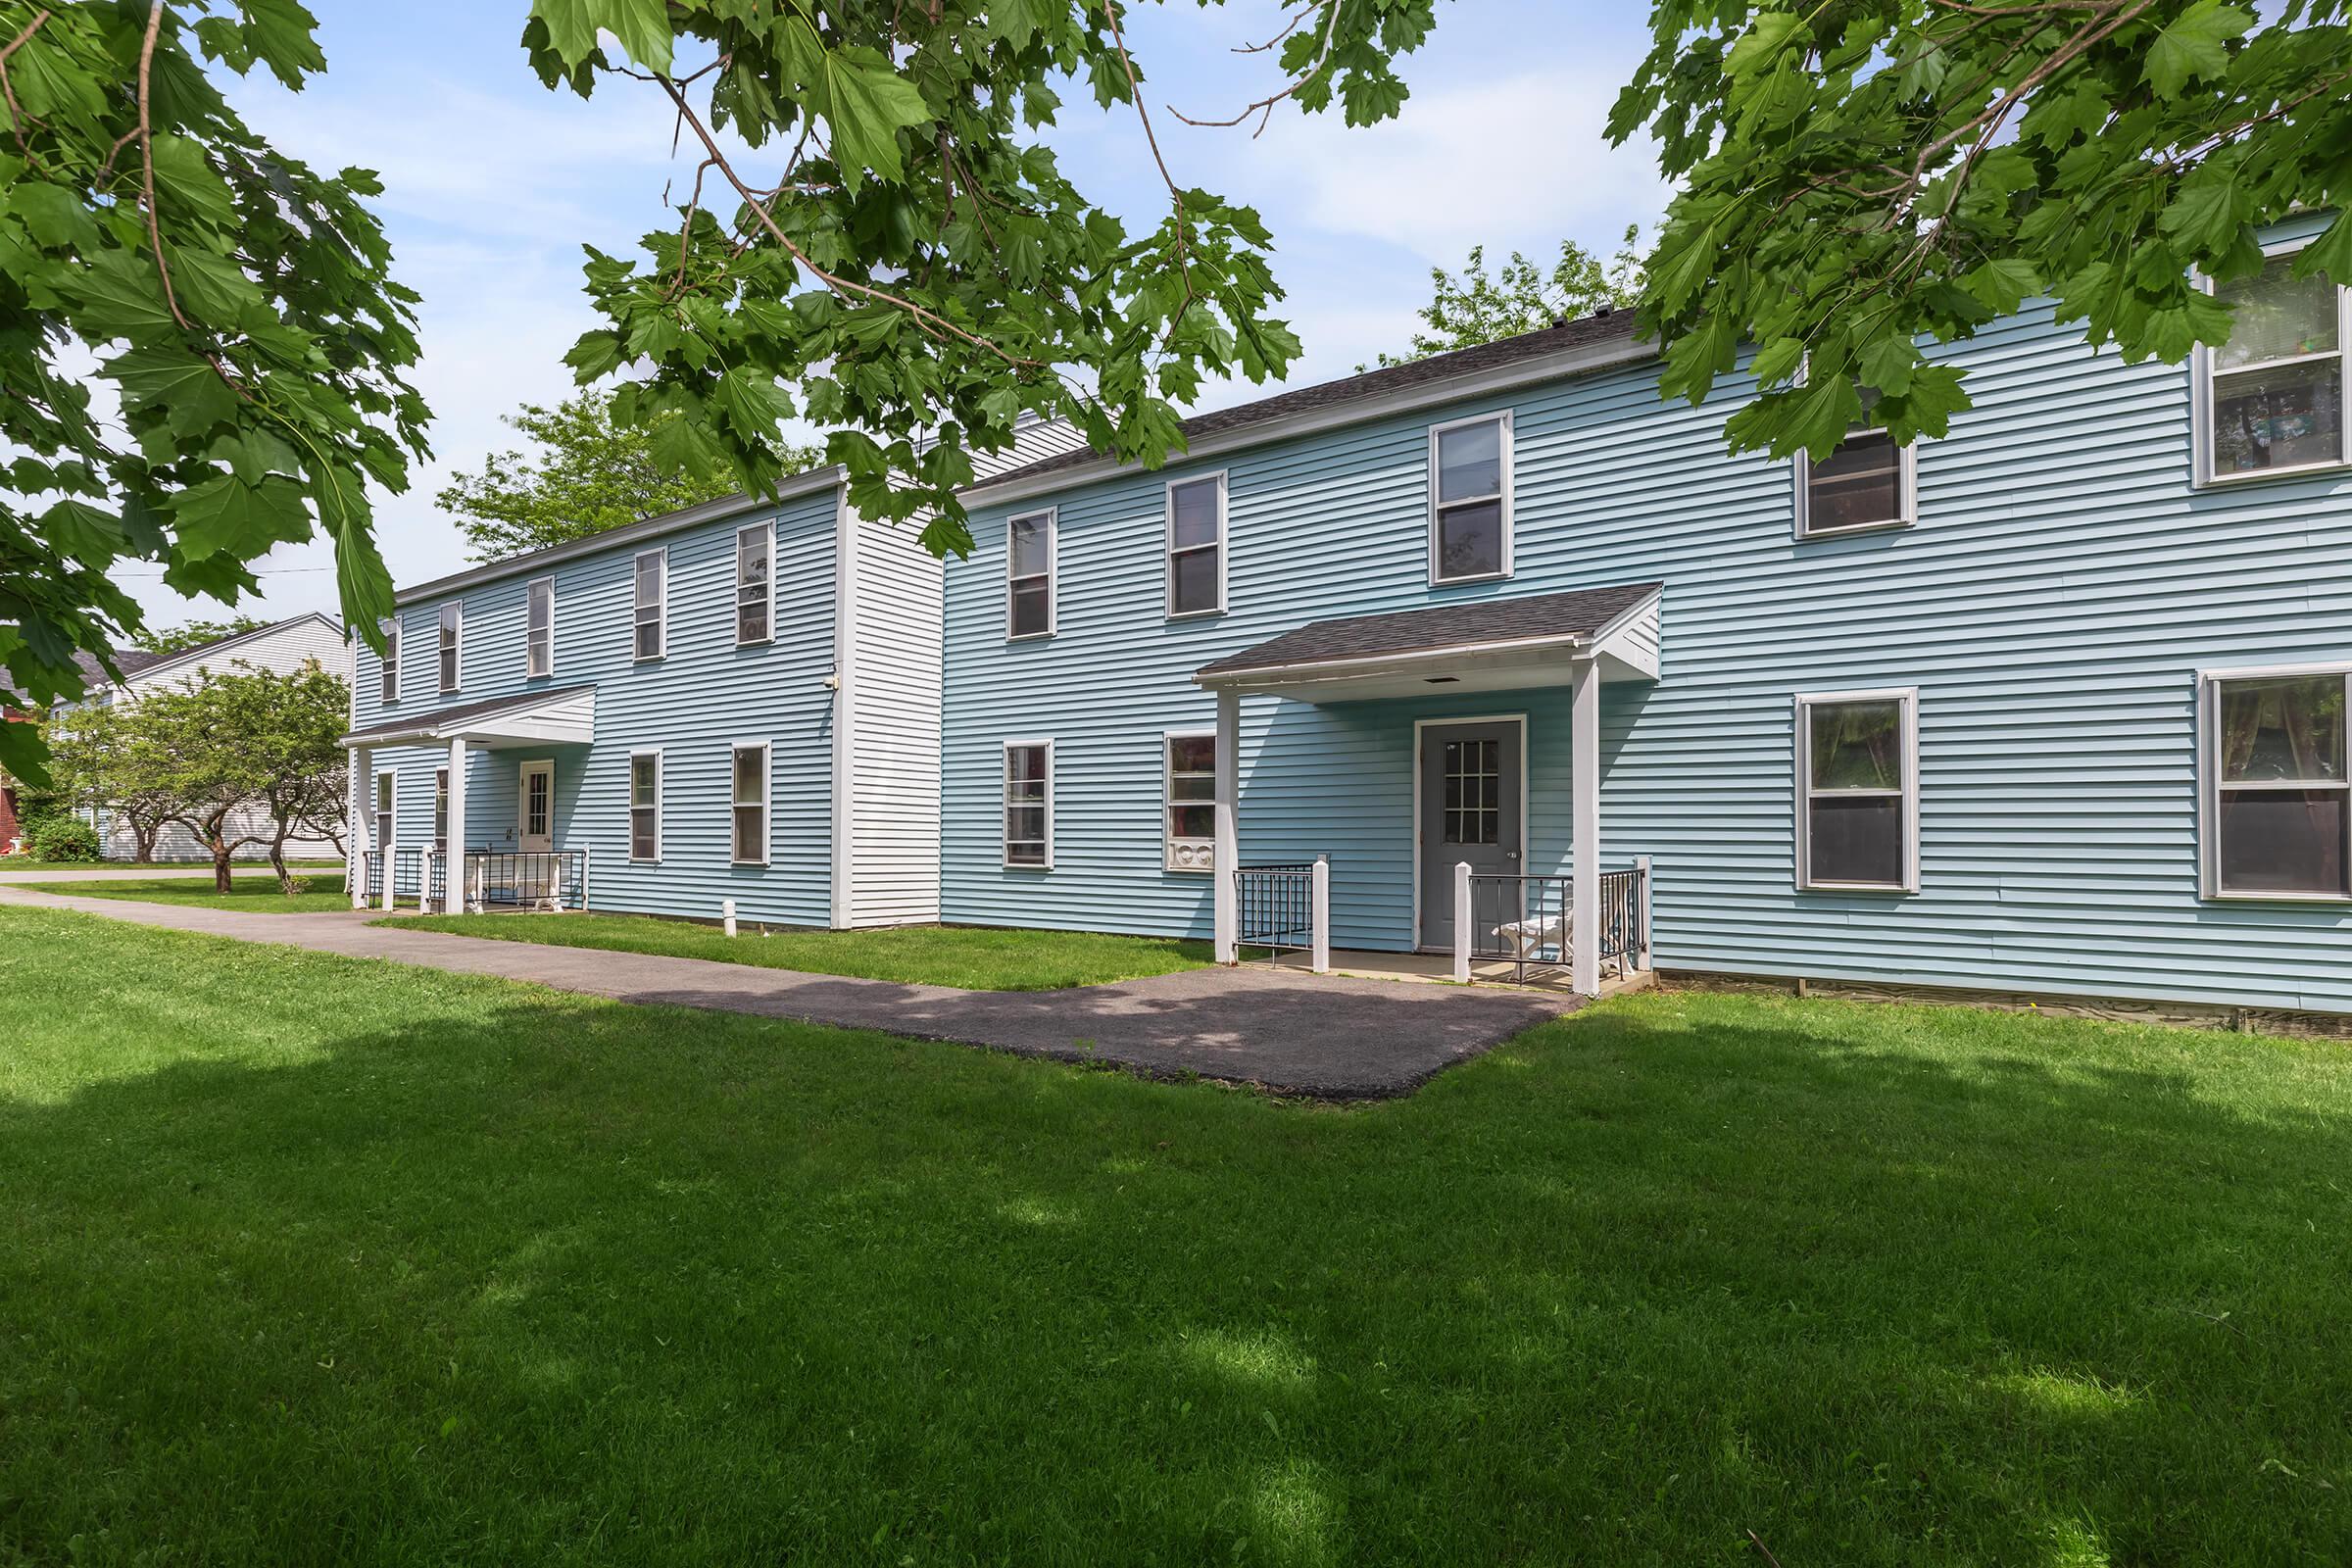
61, 838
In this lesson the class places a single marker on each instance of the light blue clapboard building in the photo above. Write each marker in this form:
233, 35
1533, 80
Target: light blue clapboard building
2055, 703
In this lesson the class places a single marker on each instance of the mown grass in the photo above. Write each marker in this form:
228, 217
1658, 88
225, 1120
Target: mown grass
11, 865
970, 958
306, 1259
250, 891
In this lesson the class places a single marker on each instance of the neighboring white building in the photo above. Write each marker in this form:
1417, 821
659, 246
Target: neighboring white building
282, 649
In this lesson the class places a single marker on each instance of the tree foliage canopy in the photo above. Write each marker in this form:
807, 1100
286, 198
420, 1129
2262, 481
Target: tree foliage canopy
1477, 306
899, 251
200, 353
194, 634
1862, 175
589, 474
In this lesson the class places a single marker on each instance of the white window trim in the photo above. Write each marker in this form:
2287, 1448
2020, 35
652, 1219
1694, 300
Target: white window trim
387, 674
662, 606
768, 801
2202, 380
767, 530
1168, 802
629, 803
1052, 516
441, 809
1004, 804
1802, 771
1504, 449
1169, 550
450, 619
377, 815
522, 800
2209, 780
1906, 484
528, 589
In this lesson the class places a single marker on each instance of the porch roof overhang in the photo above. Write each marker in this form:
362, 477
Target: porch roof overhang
562, 715
1483, 646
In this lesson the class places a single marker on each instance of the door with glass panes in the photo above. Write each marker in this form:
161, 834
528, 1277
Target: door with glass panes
1469, 811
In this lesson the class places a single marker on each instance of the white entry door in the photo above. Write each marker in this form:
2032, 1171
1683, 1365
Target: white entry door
535, 809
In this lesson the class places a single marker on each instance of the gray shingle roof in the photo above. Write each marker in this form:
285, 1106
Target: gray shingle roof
1583, 332
1419, 631
406, 723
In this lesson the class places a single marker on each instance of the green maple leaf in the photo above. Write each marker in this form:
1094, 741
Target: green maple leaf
868, 105
2194, 46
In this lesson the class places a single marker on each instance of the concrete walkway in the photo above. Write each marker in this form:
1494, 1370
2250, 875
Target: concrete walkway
1293, 1033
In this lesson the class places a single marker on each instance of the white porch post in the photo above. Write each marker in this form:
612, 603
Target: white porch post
1584, 765
453, 878
1227, 860
358, 833
1319, 912
1461, 922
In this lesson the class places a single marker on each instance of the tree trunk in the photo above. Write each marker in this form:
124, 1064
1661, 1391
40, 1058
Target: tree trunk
278, 862
143, 833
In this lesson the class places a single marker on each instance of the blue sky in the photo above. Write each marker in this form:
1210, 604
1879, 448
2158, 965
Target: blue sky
492, 184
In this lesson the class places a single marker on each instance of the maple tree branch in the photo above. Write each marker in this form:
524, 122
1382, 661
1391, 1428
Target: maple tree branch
18, 118
1264, 107
1134, 90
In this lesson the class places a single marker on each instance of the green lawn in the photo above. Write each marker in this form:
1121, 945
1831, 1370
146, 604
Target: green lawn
967, 956
306, 1258
253, 892
12, 864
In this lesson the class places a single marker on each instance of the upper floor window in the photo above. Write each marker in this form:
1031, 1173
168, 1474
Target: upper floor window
539, 636
1029, 575
389, 672
1868, 482
1197, 546
651, 601
452, 619
1029, 803
1857, 786
2272, 399
1192, 803
2279, 784
755, 582
1470, 498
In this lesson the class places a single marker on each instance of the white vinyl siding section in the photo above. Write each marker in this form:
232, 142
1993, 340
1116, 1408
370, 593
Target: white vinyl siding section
891, 696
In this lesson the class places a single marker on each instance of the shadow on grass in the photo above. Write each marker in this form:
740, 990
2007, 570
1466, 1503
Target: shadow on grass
528, 1278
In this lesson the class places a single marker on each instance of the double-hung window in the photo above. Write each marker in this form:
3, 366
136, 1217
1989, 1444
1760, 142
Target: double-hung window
2278, 783
388, 674
1197, 546
1192, 799
441, 809
1029, 575
453, 615
755, 582
651, 601
1470, 498
645, 806
2272, 399
1857, 791
1868, 482
1029, 803
539, 632
748, 797
386, 809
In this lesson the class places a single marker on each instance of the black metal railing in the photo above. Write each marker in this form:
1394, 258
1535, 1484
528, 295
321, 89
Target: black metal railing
372, 876
550, 879
407, 872
1529, 921
1275, 906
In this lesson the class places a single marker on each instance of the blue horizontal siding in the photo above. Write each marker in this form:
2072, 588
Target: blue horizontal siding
2062, 589
705, 695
